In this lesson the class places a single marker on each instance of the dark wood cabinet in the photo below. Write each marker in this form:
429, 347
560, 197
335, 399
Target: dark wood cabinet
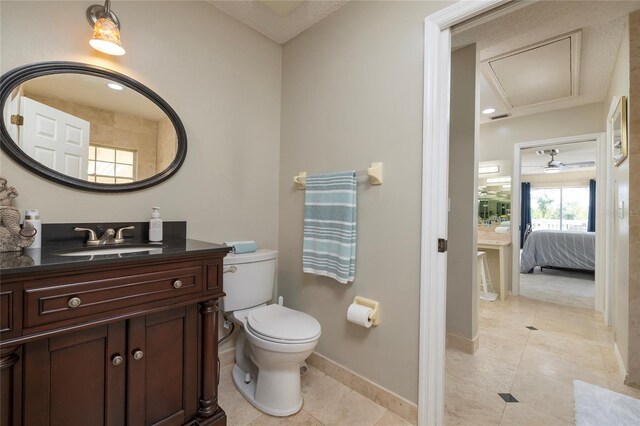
169, 342
139, 348
70, 379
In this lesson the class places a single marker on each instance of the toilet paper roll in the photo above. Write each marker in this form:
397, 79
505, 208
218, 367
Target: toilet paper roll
359, 314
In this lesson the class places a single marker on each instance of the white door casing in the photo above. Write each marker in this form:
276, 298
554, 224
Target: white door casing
54, 138
435, 202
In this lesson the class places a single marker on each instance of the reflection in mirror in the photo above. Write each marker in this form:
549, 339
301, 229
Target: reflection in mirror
90, 128
494, 195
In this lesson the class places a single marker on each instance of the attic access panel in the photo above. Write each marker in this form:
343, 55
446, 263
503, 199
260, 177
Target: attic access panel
538, 74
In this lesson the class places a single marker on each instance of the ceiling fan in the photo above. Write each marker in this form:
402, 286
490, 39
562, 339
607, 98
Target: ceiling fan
557, 166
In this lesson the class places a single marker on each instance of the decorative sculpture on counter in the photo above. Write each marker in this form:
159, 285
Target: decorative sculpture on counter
12, 236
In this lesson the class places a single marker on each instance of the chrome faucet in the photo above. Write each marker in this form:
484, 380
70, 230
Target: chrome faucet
109, 237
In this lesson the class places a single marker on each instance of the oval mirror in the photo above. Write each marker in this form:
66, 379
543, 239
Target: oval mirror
88, 127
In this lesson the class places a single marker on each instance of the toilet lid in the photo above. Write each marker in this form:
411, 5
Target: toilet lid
277, 323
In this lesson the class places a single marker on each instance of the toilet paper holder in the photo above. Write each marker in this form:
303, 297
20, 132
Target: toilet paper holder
374, 305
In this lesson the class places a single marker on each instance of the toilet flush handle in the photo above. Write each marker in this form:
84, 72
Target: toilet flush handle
232, 269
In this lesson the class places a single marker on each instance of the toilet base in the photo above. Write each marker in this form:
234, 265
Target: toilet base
248, 391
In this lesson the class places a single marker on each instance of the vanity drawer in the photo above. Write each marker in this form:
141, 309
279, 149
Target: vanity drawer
86, 294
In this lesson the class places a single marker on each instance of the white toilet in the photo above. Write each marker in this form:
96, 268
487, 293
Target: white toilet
274, 340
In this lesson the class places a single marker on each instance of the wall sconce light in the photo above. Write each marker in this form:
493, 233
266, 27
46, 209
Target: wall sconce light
106, 29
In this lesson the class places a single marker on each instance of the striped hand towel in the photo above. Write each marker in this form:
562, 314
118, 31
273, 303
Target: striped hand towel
329, 246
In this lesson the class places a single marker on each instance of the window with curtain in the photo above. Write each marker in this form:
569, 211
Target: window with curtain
560, 209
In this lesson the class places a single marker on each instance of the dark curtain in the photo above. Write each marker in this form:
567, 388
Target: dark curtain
591, 226
525, 210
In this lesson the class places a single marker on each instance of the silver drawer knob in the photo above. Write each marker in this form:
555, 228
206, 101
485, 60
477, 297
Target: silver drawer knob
138, 354
74, 302
117, 359
177, 284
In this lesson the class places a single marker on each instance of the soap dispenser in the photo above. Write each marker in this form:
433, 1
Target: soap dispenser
155, 225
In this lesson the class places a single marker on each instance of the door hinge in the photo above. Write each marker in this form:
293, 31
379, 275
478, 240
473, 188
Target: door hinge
18, 120
442, 245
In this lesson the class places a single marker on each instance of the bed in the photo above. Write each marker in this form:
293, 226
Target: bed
559, 249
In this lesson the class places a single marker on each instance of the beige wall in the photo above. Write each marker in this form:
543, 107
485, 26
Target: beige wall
634, 199
220, 76
497, 138
115, 129
352, 94
462, 281
620, 87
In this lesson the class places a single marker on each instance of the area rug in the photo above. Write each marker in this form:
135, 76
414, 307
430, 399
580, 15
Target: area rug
556, 286
596, 406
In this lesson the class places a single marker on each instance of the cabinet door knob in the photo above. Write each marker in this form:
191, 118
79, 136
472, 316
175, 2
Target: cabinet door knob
177, 284
138, 354
117, 359
74, 302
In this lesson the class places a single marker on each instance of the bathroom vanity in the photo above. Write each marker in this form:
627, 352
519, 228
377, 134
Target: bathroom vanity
112, 339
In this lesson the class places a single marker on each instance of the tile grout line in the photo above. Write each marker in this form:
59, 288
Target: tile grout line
313, 417
524, 347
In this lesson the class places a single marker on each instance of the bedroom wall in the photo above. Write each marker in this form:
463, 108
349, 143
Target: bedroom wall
559, 179
497, 138
462, 288
620, 87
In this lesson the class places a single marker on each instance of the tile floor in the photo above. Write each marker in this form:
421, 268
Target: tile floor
573, 288
536, 366
326, 402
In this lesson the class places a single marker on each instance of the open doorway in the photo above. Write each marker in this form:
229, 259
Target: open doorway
515, 348
558, 221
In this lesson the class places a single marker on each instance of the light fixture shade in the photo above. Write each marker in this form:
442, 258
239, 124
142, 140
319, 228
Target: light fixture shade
106, 37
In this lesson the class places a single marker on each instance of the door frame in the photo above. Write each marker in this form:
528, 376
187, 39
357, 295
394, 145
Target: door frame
435, 202
603, 220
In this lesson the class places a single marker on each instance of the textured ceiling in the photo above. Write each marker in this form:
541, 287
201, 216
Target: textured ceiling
602, 24
276, 22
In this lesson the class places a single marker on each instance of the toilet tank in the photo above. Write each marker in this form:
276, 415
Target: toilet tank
248, 279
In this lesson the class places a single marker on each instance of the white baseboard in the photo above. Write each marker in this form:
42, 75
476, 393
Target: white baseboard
622, 371
384, 397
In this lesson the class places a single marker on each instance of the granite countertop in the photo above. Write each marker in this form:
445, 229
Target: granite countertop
494, 238
48, 257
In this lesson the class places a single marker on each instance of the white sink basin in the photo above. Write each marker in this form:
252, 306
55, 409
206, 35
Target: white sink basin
105, 251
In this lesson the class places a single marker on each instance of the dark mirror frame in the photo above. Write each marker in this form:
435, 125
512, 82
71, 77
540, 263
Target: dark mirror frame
12, 79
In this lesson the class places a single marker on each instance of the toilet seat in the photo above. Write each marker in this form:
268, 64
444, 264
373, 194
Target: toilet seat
277, 324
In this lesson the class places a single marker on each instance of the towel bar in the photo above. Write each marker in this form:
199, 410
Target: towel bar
374, 173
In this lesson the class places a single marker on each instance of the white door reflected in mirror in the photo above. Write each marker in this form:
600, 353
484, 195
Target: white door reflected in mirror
54, 138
